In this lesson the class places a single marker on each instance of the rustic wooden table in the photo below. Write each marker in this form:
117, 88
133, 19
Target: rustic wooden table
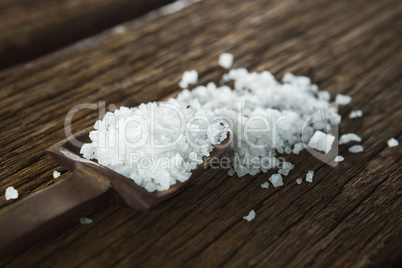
350, 216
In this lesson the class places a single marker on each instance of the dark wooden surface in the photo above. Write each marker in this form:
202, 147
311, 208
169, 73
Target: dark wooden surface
30, 29
350, 216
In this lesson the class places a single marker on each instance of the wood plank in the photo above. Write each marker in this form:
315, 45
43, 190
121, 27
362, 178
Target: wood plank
350, 216
34, 28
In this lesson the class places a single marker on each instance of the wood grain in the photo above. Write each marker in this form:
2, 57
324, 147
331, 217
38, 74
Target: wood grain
350, 216
30, 29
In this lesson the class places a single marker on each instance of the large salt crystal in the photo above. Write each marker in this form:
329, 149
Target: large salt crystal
339, 158
250, 216
226, 60
393, 142
356, 149
56, 174
355, 114
265, 185
321, 141
309, 176
188, 78
276, 180
345, 138
11, 193
286, 168
343, 99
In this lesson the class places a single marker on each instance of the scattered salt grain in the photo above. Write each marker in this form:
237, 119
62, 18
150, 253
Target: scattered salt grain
286, 168
393, 142
188, 78
250, 216
85, 220
56, 174
321, 141
276, 180
11, 193
226, 60
356, 149
345, 138
355, 114
343, 99
309, 176
339, 158
299, 180
265, 185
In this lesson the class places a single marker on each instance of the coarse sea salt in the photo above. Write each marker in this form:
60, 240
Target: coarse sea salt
259, 101
345, 138
309, 176
56, 174
339, 158
356, 149
343, 99
265, 185
276, 180
321, 141
393, 142
11, 193
188, 78
299, 180
250, 216
155, 144
355, 114
226, 60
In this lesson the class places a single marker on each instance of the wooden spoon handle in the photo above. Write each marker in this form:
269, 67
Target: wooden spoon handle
50, 210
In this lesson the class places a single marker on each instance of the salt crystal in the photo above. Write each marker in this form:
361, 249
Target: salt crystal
355, 114
11, 193
188, 78
226, 60
343, 99
299, 180
276, 180
345, 138
356, 149
265, 185
286, 168
56, 174
339, 158
393, 142
85, 220
250, 216
309, 176
321, 141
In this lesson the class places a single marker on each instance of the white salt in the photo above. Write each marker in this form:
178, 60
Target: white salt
265, 185
188, 78
345, 138
356, 149
343, 99
393, 142
11, 193
324, 95
250, 216
155, 144
355, 114
309, 176
276, 180
286, 168
56, 174
299, 180
339, 158
226, 60
85, 220
321, 141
